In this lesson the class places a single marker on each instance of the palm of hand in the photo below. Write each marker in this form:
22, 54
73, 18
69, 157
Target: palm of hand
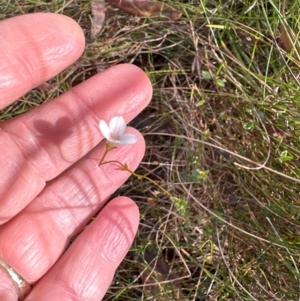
51, 184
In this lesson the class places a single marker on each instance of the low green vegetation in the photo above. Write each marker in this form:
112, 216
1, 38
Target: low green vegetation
223, 139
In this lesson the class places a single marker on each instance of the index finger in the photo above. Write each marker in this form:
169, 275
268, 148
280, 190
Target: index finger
40, 144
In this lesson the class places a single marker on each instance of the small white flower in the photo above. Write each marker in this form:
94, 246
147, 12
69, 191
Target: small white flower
114, 132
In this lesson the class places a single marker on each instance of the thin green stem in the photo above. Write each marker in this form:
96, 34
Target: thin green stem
140, 177
107, 150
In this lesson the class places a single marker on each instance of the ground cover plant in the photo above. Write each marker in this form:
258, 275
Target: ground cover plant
220, 181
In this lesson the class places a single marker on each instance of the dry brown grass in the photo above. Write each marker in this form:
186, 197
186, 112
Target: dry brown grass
225, 93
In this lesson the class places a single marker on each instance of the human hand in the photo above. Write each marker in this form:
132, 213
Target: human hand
50, 183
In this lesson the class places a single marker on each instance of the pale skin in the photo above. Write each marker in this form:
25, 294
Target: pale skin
50, 181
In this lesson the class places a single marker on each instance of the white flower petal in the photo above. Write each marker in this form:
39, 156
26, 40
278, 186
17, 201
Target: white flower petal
104, 129
114, 132
128, 139
117, 127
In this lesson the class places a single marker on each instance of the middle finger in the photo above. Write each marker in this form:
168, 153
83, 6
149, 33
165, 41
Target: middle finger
33, 240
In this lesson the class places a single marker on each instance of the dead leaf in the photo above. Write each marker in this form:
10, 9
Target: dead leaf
273, 131
142, 8
152, 123
46, 87
98, 12
288, 41
250, 39
155, 275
